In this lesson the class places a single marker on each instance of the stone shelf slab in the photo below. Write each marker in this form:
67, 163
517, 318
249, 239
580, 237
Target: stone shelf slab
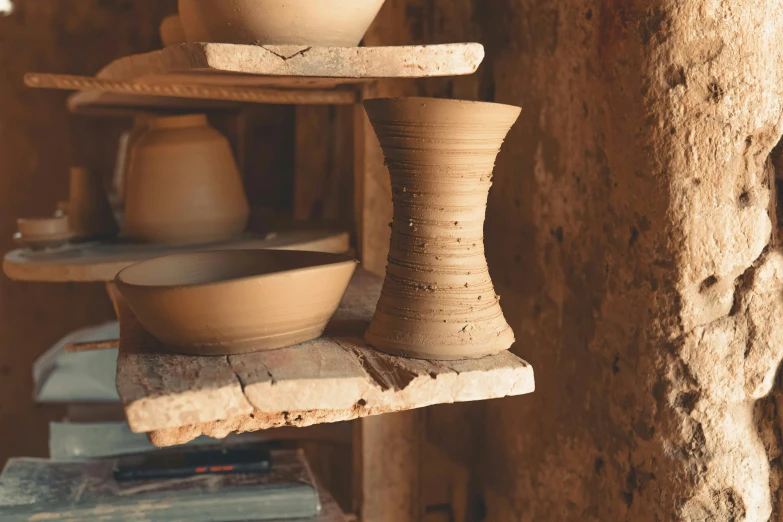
100, 261
337, 377
208, 76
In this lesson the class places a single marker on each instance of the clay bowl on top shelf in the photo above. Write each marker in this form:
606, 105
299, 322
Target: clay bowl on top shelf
236, 301
329, 23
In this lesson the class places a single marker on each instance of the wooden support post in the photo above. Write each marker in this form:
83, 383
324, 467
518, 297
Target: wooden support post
386, 467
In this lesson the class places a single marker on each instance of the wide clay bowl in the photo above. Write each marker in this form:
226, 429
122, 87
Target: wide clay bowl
236, 301
330, 23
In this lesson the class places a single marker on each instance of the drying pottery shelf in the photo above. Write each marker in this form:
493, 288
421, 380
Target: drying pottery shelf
101, 261
175, 398
202, 76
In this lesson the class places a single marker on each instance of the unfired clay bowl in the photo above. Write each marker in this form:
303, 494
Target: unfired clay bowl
331, 23
236, 301
39, 233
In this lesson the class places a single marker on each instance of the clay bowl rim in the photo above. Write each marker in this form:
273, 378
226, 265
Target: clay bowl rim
429, 99
340, 259
58, 221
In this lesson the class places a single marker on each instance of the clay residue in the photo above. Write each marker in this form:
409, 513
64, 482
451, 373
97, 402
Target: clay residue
385, 373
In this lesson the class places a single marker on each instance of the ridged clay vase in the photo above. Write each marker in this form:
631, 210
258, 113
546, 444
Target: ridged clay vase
183, 185
438, 300
330, 23
236, 301
89, 212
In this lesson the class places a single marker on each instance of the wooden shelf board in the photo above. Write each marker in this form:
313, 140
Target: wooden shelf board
334, 378
93, 103
100, 261
199, 75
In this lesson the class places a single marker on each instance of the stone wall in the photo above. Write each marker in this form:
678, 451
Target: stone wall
629, 235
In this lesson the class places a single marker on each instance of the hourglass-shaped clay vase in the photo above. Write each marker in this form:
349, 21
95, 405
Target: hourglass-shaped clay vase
183, 185
438, 301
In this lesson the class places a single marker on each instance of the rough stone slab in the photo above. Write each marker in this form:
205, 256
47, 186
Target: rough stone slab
334, 378
101, 261
220, 63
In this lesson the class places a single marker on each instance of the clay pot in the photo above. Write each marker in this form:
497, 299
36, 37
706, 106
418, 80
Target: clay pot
236, 301
171, 31
335, 23
183, 185
438, 301
128, 140
89, 211
40, 233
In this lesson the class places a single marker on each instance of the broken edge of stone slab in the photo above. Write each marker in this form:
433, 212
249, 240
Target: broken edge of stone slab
258, 420
349, 381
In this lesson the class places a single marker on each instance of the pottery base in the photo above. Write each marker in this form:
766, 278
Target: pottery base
441, 352
259, 344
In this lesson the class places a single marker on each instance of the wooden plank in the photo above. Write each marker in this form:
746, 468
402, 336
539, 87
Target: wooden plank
334, 378
388, 451
102, 261
210, 60
93, 103
187, 87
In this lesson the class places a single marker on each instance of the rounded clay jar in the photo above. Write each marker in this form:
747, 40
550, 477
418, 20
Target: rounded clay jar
438, 300
330, 23
183, 184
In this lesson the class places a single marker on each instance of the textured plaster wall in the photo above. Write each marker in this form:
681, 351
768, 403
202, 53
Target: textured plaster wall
629, 236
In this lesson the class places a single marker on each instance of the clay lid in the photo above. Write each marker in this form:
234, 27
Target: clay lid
429, 110
177, 122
